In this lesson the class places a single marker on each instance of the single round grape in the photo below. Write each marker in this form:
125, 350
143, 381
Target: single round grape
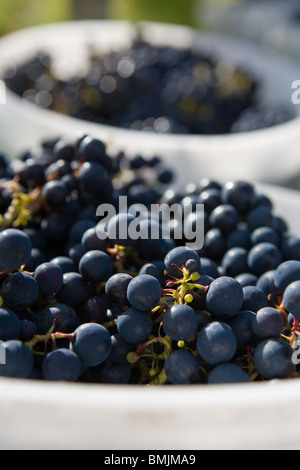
240, 194
234, 261
19, 290
266, 282
216, 343
64, 317
180, 322
79, 228
116, 289
228, 373
265, 234
61, 365
242, 327
273, 359
134, 325
49, 278
209, 268
120, 348
144, 292
224, 297
92, 177
259, 217
94, 150
210, 198
28, 330
76, 252
10, 325
55, 193
95, 266
268, 323
156, 268
15, 249
224, 217
291, 299
176, 259
118, 230
254, 298
91, 241
92, 344
16, 359
264, 257
247, 279
286, 273
65, 263
64, 150
240, 237
74, 290
182, 368
215, 243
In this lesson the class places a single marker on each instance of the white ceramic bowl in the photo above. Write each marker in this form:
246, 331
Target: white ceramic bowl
269, 155
37, 415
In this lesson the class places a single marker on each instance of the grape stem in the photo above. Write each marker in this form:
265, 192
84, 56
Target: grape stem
50, 335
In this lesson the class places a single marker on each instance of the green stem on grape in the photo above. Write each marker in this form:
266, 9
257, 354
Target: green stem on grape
160, 379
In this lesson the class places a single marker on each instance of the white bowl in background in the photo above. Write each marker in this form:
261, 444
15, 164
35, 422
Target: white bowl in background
38, 415
269, 155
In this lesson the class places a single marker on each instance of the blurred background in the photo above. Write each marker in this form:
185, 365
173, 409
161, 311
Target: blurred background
273, 23
17, 14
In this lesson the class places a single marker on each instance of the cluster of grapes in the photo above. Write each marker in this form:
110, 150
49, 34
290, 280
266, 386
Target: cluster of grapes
79, 307
146, 87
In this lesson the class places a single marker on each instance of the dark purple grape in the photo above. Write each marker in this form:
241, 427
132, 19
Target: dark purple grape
61, 365
49, 278
74, 290
16, 359
116, 289
216, 343
264, 257
55, 193
176, 259
291, 299
228, 373
224, 297
95, 266
92, 344
19, 290
268, 323
15, 249
10, 325
144, 292
286, 273
182, 368
180, 322
134, 325
240, 194
273, 359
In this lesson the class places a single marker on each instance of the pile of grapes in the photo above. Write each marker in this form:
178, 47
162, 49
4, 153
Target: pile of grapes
150, 88
83, 308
